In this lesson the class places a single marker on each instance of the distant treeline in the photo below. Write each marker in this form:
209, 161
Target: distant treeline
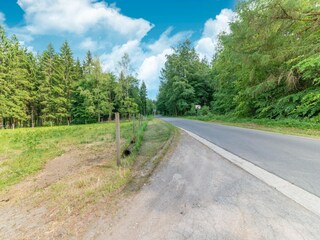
268, 67
55, 89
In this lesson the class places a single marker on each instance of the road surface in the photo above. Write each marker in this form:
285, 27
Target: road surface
295, 159
196, 194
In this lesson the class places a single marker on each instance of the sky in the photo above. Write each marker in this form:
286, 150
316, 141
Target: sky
145, 29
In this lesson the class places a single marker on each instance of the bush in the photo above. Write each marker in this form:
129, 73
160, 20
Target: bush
204, 111
192, 111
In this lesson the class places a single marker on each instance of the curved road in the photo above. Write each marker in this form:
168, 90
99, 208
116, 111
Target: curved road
295, 159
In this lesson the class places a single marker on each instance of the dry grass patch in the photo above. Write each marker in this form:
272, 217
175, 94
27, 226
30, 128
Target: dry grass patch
78, 187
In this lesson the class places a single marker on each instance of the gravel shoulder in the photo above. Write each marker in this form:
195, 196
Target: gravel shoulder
196, 194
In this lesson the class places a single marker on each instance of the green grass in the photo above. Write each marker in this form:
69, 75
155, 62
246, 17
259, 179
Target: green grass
74, 193
154, 146
157, 134
87, 190
153, 131
25, 151
285, 126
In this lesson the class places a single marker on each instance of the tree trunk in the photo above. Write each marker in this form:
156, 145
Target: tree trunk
32, 116
110, 114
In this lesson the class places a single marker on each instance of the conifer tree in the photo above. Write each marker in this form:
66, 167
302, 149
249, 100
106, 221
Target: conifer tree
68, 76
143, 98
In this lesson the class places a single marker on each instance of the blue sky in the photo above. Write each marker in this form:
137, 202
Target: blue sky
145, 29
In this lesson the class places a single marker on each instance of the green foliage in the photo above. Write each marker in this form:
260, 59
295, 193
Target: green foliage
185, 81
205, 111
151, 106
55, 89
267, 67
143, 99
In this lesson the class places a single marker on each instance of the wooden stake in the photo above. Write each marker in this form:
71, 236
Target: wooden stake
134, 127
117, 119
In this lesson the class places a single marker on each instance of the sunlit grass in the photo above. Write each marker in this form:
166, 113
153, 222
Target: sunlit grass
25, 151
74, 193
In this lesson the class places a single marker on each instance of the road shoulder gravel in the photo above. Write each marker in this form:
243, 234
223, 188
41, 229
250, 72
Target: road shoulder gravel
197, 194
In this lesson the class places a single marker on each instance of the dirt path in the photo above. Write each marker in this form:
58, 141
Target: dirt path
33, 208
198, 195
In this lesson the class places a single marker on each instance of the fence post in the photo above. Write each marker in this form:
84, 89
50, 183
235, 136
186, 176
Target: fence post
134, 127
117, 119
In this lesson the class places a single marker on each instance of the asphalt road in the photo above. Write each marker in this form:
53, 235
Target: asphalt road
196, 194
295, 159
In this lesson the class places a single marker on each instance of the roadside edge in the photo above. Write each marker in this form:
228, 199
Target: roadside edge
297, 194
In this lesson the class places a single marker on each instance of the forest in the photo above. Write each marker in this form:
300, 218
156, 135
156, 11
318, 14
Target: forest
267, 67
54, 88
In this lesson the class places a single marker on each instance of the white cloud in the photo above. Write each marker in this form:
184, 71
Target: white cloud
98, 26
150, 69
89, 44
2, 18
166, 41
21, 37
132, 48
207, 45
149, 59
21, 34
79, 17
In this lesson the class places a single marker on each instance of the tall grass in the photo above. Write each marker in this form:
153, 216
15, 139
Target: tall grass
25, 151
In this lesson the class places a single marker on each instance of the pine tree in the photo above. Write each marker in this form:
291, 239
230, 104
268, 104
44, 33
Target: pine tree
68, 76
88, 64
143, 98
53, 88
18, 84
33, 103
83, 102
4, 89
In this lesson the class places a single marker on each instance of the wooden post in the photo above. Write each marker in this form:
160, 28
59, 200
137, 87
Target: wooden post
134, 127
117, 119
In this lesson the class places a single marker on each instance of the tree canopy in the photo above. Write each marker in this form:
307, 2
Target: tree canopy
53, 88
267, 67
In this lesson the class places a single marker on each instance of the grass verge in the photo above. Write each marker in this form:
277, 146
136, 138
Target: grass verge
90, 184
159, 137
285, 126
24, 152
92, 188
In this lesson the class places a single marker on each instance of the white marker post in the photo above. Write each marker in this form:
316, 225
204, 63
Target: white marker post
198, 107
